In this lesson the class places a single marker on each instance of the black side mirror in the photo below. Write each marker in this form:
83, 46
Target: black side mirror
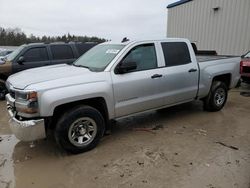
125, 67
20, 60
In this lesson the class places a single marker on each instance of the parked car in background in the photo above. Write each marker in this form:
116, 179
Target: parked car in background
3, 55
2, 49
40, 54
111, 81
245, 68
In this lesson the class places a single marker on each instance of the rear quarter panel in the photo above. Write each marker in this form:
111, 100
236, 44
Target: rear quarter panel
210, 69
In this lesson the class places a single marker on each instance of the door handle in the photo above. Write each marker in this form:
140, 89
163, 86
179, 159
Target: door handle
192, 70
156, 76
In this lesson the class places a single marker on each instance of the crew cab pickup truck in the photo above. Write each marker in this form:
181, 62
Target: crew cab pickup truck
37, 55
245, 68
113, 80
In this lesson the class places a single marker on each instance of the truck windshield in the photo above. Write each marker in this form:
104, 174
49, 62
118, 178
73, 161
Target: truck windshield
13, 54
98, 58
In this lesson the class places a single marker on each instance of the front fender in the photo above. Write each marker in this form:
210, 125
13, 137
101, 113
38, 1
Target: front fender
50, 99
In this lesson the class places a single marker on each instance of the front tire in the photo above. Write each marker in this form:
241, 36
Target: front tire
80, 129
217, 97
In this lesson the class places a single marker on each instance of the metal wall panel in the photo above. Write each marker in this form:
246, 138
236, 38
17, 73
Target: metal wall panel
226, 30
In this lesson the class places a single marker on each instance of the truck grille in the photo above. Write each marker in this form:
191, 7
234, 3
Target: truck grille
246, 69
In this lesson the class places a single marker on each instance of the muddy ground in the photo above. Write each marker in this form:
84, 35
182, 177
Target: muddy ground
187, 147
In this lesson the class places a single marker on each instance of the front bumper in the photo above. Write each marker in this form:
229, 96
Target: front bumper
27, 130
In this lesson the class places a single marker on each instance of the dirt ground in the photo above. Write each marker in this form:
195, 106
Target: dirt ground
182, 146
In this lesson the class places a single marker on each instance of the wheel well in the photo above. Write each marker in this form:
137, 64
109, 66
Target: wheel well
98, 103
226, 78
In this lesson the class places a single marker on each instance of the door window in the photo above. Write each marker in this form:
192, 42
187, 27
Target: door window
36, 54
61, 52
144, 56
175, 53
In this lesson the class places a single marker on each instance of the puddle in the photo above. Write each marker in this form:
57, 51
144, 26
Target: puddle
7, 145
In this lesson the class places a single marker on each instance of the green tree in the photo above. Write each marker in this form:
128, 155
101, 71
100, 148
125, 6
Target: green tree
15, 37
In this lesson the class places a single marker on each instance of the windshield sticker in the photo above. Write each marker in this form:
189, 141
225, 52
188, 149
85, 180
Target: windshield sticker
112, 51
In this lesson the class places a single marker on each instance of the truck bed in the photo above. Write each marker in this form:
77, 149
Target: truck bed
204, 58
212, 65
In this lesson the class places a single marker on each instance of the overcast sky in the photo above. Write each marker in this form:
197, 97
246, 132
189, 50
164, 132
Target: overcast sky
110, 19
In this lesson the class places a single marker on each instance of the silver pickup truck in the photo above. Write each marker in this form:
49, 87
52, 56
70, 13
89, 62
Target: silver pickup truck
113, 80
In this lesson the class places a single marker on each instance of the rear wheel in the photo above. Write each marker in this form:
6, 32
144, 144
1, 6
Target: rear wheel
80, 129
217, 97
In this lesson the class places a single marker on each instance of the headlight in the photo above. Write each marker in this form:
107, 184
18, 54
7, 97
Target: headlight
26, 102
26, 95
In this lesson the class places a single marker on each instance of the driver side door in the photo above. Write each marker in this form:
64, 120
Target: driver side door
137, 90
32, 58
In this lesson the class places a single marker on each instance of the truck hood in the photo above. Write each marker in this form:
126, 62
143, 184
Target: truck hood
50, 76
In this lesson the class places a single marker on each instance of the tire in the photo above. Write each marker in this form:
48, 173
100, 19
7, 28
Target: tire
217, 97
3, 91
80, 129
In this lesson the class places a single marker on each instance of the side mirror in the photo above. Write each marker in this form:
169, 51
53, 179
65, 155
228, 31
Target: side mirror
125, 67
20, 60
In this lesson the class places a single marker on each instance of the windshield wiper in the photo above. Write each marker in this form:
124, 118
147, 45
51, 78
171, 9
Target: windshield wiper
81, 66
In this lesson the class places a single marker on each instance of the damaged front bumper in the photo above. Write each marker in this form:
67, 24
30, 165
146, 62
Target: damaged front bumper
27, 130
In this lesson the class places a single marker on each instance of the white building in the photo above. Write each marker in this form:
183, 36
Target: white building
221, 25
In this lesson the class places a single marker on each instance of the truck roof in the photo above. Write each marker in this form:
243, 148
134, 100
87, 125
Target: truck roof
144, 40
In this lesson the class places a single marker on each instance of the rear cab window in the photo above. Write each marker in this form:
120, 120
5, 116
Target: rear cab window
175, 53
60, 52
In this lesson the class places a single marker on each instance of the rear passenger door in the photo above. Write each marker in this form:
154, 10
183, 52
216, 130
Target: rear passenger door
32, 57
61, 53
180, 74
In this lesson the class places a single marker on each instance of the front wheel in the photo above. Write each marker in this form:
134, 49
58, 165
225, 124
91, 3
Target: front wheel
80, 129
217, 97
